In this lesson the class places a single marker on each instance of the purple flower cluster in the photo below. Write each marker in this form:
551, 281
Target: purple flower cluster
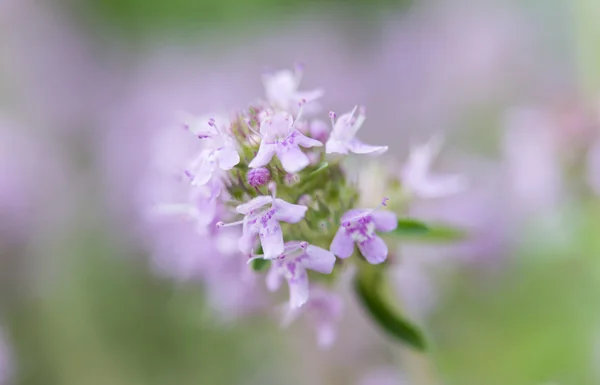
265, 170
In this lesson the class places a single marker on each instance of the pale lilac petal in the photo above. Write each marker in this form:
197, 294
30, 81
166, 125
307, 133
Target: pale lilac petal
228, 158
202, 174
271, 239
374, 250
342, 244
310, 96
318, 259
298, 282
358, 147
347, 125
274, 277
207, 210
335, 146
420, 160
384, 220
292, 158
253, 204
289, 212
264, 155
343, 126
280, 86
353, 214
292, 245
247, 240
305, 141
276, 126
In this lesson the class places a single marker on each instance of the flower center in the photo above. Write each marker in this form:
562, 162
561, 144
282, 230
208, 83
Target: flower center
361, 229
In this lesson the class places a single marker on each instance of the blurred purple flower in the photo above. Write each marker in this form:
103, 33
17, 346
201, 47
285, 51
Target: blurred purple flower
264, 222
416, 177
281, 88
218, 150
359, 226
293, 263
324, 309
282, 138
343, 134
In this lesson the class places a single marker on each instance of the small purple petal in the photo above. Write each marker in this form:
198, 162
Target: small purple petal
309, 96
253, 204
289, 212
335, 146
318, 259
228, 158
274, 277
264, 155
305, 141
358, 147
277, 125
201, 169
384, 220
342, 244
292, 158
271, 237
353, 214
298, 283
247, 240
374, 250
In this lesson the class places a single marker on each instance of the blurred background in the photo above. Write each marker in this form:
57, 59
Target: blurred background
514, 86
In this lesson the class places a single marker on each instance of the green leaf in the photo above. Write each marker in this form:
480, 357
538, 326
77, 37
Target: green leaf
412, 229
411, 226
319, 170
368, 288
260, 264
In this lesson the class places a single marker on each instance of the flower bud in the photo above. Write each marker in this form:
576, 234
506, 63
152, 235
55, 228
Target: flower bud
258, 176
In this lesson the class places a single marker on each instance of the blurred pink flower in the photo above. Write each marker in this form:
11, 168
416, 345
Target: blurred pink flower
292, 265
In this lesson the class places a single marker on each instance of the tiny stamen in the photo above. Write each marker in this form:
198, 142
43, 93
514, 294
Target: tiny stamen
211, 122
348, 222
221, 225
301, 104
332, 116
